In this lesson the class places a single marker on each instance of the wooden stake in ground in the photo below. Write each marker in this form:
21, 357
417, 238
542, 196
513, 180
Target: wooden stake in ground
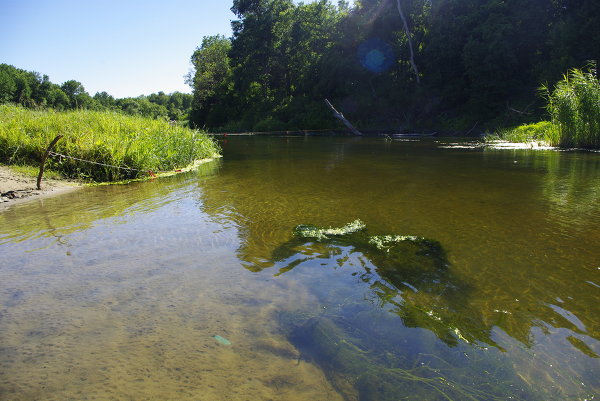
43, 162
341, 117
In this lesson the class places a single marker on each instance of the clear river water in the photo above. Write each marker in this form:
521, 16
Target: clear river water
194, 287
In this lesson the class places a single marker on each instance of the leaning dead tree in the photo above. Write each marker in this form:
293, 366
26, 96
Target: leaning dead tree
410, 46
343, 119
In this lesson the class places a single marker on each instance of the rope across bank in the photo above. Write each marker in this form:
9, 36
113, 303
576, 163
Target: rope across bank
150, 172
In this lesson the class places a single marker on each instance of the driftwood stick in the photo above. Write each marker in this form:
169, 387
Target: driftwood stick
43, 162
343, 119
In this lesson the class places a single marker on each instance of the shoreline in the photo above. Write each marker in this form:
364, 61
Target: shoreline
18, 188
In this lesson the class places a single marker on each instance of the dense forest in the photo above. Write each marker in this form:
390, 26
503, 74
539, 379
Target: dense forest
444, 65
33, 90
389, 64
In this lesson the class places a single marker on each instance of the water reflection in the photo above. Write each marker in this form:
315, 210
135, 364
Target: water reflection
515, 269
496, 280
80, 210
411, 278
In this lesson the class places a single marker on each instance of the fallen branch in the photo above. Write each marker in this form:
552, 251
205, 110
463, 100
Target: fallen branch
343, 119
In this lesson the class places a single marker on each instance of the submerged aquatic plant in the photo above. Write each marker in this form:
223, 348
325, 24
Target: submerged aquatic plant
361, 350
385, 242
408, 273
364, 364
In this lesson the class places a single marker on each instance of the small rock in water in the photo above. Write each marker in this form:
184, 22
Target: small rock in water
222, 340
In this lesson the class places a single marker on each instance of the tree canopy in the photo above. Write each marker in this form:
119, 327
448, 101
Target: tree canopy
479, 61
30, 89
385, 64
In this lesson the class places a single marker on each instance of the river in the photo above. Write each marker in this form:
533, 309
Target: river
194, 287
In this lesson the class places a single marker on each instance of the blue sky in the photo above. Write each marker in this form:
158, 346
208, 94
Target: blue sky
123, 47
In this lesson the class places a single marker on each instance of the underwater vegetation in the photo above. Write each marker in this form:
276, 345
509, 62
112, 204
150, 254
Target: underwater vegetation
374, 362
365, 352
406, 274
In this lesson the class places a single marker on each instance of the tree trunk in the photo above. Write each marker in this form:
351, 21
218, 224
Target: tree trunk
410, 46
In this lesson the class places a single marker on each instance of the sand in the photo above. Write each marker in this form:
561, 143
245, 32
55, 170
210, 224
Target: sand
16, 188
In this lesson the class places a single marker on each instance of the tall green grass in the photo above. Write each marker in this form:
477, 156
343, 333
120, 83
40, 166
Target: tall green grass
103, 137
574, 108
543, 133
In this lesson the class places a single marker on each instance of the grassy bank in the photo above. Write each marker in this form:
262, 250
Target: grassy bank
138, 143
574, 109
543, 133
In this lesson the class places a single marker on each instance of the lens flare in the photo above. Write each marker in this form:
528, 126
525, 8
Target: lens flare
376, 55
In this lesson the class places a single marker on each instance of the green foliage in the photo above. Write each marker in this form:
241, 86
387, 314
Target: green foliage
574, 106
104, 137
480, 63
211, 80
542, 132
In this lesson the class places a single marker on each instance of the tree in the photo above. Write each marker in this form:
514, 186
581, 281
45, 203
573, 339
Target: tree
58, 99
78, 97
210, 77
105, 100
8, 86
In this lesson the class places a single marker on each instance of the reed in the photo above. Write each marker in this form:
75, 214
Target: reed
574, 107
103, 137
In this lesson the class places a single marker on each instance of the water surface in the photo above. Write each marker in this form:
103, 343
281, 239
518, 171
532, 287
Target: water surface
194, 287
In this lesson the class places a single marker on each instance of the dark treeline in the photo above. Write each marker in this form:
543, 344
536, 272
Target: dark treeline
31, 89
397, 64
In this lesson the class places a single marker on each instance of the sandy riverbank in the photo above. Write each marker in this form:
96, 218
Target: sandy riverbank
16, 187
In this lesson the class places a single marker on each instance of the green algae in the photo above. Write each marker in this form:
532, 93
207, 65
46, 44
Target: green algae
310, 231
409, 275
